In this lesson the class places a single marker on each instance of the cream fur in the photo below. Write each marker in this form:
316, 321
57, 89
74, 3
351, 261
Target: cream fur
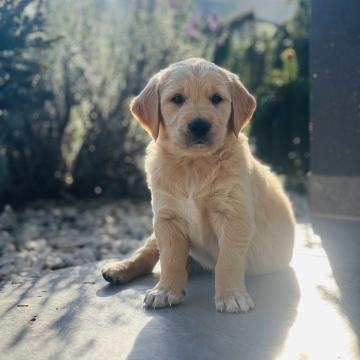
215, 201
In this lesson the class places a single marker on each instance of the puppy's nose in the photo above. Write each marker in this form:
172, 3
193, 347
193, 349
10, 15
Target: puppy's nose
199, 127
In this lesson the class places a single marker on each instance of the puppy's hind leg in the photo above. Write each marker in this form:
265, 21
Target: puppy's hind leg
140, 263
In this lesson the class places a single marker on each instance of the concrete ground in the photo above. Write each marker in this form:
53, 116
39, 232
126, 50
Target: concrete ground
309, 311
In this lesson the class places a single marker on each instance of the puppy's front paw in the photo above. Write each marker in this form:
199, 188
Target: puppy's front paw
235, 303
157, 298
117, 272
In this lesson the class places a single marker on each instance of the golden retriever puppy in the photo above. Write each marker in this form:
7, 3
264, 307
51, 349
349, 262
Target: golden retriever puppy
211, 198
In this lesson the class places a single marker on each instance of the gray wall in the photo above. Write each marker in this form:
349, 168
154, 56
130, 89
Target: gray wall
335, 108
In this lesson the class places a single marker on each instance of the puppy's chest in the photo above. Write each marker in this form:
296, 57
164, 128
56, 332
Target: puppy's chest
191, 205
192, 201
194, 211
203, 242
191, 210
189, 195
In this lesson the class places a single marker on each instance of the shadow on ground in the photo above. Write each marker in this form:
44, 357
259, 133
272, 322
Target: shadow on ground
196, 330
73, 313
307, 311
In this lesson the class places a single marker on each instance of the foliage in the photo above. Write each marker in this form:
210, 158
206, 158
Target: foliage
281, 125
75, 135
65, 126
99, 66
24, 139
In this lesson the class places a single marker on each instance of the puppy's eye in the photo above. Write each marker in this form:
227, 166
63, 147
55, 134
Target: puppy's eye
216, 99
178, 99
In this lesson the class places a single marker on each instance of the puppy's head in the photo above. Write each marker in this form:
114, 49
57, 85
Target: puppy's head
195, 104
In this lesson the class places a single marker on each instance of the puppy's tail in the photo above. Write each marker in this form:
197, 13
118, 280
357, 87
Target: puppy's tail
142, 262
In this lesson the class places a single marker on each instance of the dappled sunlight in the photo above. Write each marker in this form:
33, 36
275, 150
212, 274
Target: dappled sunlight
299, 313
321, 329
69, 310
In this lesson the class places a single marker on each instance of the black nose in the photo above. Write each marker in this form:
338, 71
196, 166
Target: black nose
199, 127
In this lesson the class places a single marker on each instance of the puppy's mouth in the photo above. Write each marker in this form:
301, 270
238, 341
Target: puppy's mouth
198, 143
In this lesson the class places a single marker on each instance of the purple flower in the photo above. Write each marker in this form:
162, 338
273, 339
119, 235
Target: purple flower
190, 29
175, 4
213, 21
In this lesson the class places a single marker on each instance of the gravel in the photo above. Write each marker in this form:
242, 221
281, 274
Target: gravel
50, 236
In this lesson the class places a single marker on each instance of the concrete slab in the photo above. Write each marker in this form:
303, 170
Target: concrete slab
300, 313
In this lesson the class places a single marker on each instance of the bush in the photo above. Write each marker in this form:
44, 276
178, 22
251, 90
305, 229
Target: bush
99, 67
281, 125
65, 126
28, 147
65, 123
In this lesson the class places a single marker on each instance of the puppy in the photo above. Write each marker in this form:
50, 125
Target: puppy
211, 198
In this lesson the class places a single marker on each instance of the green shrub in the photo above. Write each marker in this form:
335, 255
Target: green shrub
28, 146
65, 126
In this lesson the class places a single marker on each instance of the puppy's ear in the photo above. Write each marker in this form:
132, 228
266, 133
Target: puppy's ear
146, 107
243, 105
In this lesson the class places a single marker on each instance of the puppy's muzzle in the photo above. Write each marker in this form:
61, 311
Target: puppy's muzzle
199, 130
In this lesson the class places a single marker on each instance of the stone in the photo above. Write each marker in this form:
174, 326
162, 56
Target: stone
54, 261
8, 219
7, 243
